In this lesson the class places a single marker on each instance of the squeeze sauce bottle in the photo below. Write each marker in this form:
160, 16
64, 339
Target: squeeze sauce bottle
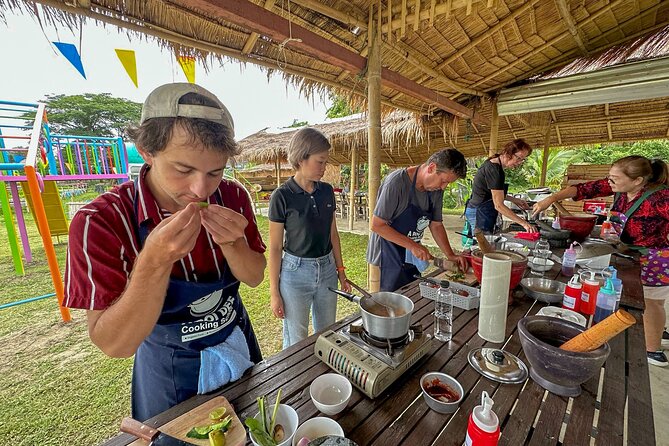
569, 261
483, 425
606, 302
572, 294
617, 284
589, 294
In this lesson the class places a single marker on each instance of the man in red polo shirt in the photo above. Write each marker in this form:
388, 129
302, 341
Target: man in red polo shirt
157, 262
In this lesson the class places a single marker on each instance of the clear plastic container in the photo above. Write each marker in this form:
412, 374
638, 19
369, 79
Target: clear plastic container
443, 313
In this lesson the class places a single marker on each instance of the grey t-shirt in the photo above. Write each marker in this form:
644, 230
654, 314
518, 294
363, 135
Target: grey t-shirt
393, 199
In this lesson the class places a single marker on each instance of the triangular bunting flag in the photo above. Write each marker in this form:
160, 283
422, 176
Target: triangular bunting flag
127, 58
70, 52
188, 65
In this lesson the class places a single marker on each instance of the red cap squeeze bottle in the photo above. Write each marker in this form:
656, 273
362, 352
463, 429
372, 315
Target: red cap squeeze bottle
483, 425
572, 294
589, 294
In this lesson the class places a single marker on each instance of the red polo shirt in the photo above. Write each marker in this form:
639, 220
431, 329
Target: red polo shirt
103, 243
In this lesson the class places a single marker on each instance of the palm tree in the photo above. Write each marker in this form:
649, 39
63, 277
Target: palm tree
558, 161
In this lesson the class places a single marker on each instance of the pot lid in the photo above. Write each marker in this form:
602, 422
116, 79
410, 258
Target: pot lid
498, 365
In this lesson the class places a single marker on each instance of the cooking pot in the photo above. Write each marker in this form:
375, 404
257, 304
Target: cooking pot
375, 318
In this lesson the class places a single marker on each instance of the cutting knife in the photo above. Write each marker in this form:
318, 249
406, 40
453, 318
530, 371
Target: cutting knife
153, 436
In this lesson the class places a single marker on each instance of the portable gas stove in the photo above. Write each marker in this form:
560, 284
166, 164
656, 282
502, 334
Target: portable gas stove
371, 364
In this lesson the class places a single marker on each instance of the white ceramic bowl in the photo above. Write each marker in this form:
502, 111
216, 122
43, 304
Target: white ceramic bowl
317, 427
438, 405
540, 266
330, 393
285, 416
563, 313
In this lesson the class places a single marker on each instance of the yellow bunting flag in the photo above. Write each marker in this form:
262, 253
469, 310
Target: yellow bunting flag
188, 65
127, 58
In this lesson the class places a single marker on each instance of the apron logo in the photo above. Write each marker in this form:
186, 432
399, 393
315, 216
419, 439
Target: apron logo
422, 223
218, 318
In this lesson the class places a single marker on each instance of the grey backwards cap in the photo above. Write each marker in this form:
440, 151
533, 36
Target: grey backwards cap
163, 102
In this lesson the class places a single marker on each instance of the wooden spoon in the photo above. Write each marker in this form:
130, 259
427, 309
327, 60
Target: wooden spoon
484, 246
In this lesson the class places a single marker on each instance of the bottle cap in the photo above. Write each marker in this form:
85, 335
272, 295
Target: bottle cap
571, 249
444, 283
483, 415
574, 282
608, 288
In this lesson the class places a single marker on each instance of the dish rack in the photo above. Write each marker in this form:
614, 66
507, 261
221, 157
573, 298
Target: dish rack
466, 303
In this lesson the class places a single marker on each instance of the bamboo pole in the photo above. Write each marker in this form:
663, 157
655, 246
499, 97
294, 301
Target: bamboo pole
374, 131
544, 163
277, 168
353, 186
494, 128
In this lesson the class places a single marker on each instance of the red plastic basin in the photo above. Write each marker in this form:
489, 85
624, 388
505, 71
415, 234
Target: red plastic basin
517, 267
580, 225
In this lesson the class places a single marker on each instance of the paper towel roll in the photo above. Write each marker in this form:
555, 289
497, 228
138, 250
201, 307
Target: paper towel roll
495, 280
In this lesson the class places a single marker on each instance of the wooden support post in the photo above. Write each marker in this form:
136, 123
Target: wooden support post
494, 129
353, 186
374, 130
544, 163
277, 168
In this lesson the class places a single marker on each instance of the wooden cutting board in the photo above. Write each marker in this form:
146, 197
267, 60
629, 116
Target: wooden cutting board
199, 416
469, 279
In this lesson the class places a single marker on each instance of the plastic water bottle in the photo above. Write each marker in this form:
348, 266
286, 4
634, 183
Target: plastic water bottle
569, 261
606, 302
443, 313
571, 299
617, 284
483, 424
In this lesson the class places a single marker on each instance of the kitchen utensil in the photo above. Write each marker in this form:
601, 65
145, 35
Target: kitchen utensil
544, 290
330, 393
484, 246
597, 335
287, 417
518, 266
559, 371
580, 225
317, 427
542, 251
557, 238
428, 383
375, 318
389, 309
199, 416
563, 313
498, 365
154, 436
541, 265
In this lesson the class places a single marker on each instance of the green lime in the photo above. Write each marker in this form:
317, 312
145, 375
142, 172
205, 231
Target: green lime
217, 438
217, 414
202, 204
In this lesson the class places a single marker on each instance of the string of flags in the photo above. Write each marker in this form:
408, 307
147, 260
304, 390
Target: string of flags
127, 59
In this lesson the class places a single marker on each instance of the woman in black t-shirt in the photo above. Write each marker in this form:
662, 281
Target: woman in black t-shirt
489, 189
304, 250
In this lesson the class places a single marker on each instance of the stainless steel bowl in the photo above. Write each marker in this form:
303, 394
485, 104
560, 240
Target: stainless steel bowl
544, 290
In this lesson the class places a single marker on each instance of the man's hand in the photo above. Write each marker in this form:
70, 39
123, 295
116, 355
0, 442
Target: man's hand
420, 252
462, 262
173, 238
223, 224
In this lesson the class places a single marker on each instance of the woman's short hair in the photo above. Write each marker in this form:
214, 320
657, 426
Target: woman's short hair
654, 172
515, 146
306, 142
154, 134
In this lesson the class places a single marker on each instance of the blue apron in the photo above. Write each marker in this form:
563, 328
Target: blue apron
395, 272
194, 316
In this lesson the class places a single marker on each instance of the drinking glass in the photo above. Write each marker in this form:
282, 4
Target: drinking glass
542, 251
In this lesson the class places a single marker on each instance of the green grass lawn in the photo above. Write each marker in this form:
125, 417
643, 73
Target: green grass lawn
56, 387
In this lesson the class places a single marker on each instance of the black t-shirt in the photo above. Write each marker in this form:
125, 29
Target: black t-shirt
306, 218
490, 176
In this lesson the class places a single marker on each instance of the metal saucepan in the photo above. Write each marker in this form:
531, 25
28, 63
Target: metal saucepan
375, 317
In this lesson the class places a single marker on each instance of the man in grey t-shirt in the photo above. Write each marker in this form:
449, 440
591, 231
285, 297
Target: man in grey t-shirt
409, 201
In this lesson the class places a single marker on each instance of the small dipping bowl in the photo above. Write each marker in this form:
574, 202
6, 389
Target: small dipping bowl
330, 393
285, 416
317, 427
435, 404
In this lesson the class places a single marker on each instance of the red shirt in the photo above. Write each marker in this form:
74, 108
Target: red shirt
649, 224
103, 243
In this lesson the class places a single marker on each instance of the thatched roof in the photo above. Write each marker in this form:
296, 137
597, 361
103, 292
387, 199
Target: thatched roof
441, 58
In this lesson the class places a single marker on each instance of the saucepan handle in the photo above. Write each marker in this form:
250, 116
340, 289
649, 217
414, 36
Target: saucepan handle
349, 296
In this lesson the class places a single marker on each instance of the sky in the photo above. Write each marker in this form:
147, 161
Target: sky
37, 68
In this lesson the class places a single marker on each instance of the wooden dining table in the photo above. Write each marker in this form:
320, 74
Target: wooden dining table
614, 407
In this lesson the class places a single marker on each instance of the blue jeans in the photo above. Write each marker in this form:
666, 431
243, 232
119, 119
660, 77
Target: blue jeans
303, 283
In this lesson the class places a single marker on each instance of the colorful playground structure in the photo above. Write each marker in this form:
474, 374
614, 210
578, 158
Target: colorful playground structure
35, 160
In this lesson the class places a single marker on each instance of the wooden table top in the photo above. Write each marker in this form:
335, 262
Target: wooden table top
617, 398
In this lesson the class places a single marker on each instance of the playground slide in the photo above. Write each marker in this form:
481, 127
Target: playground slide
53, 207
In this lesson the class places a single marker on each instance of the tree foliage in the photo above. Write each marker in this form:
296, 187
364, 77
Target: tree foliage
339, 107
91, 114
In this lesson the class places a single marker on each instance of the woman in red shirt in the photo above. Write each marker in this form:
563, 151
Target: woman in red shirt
640, 215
